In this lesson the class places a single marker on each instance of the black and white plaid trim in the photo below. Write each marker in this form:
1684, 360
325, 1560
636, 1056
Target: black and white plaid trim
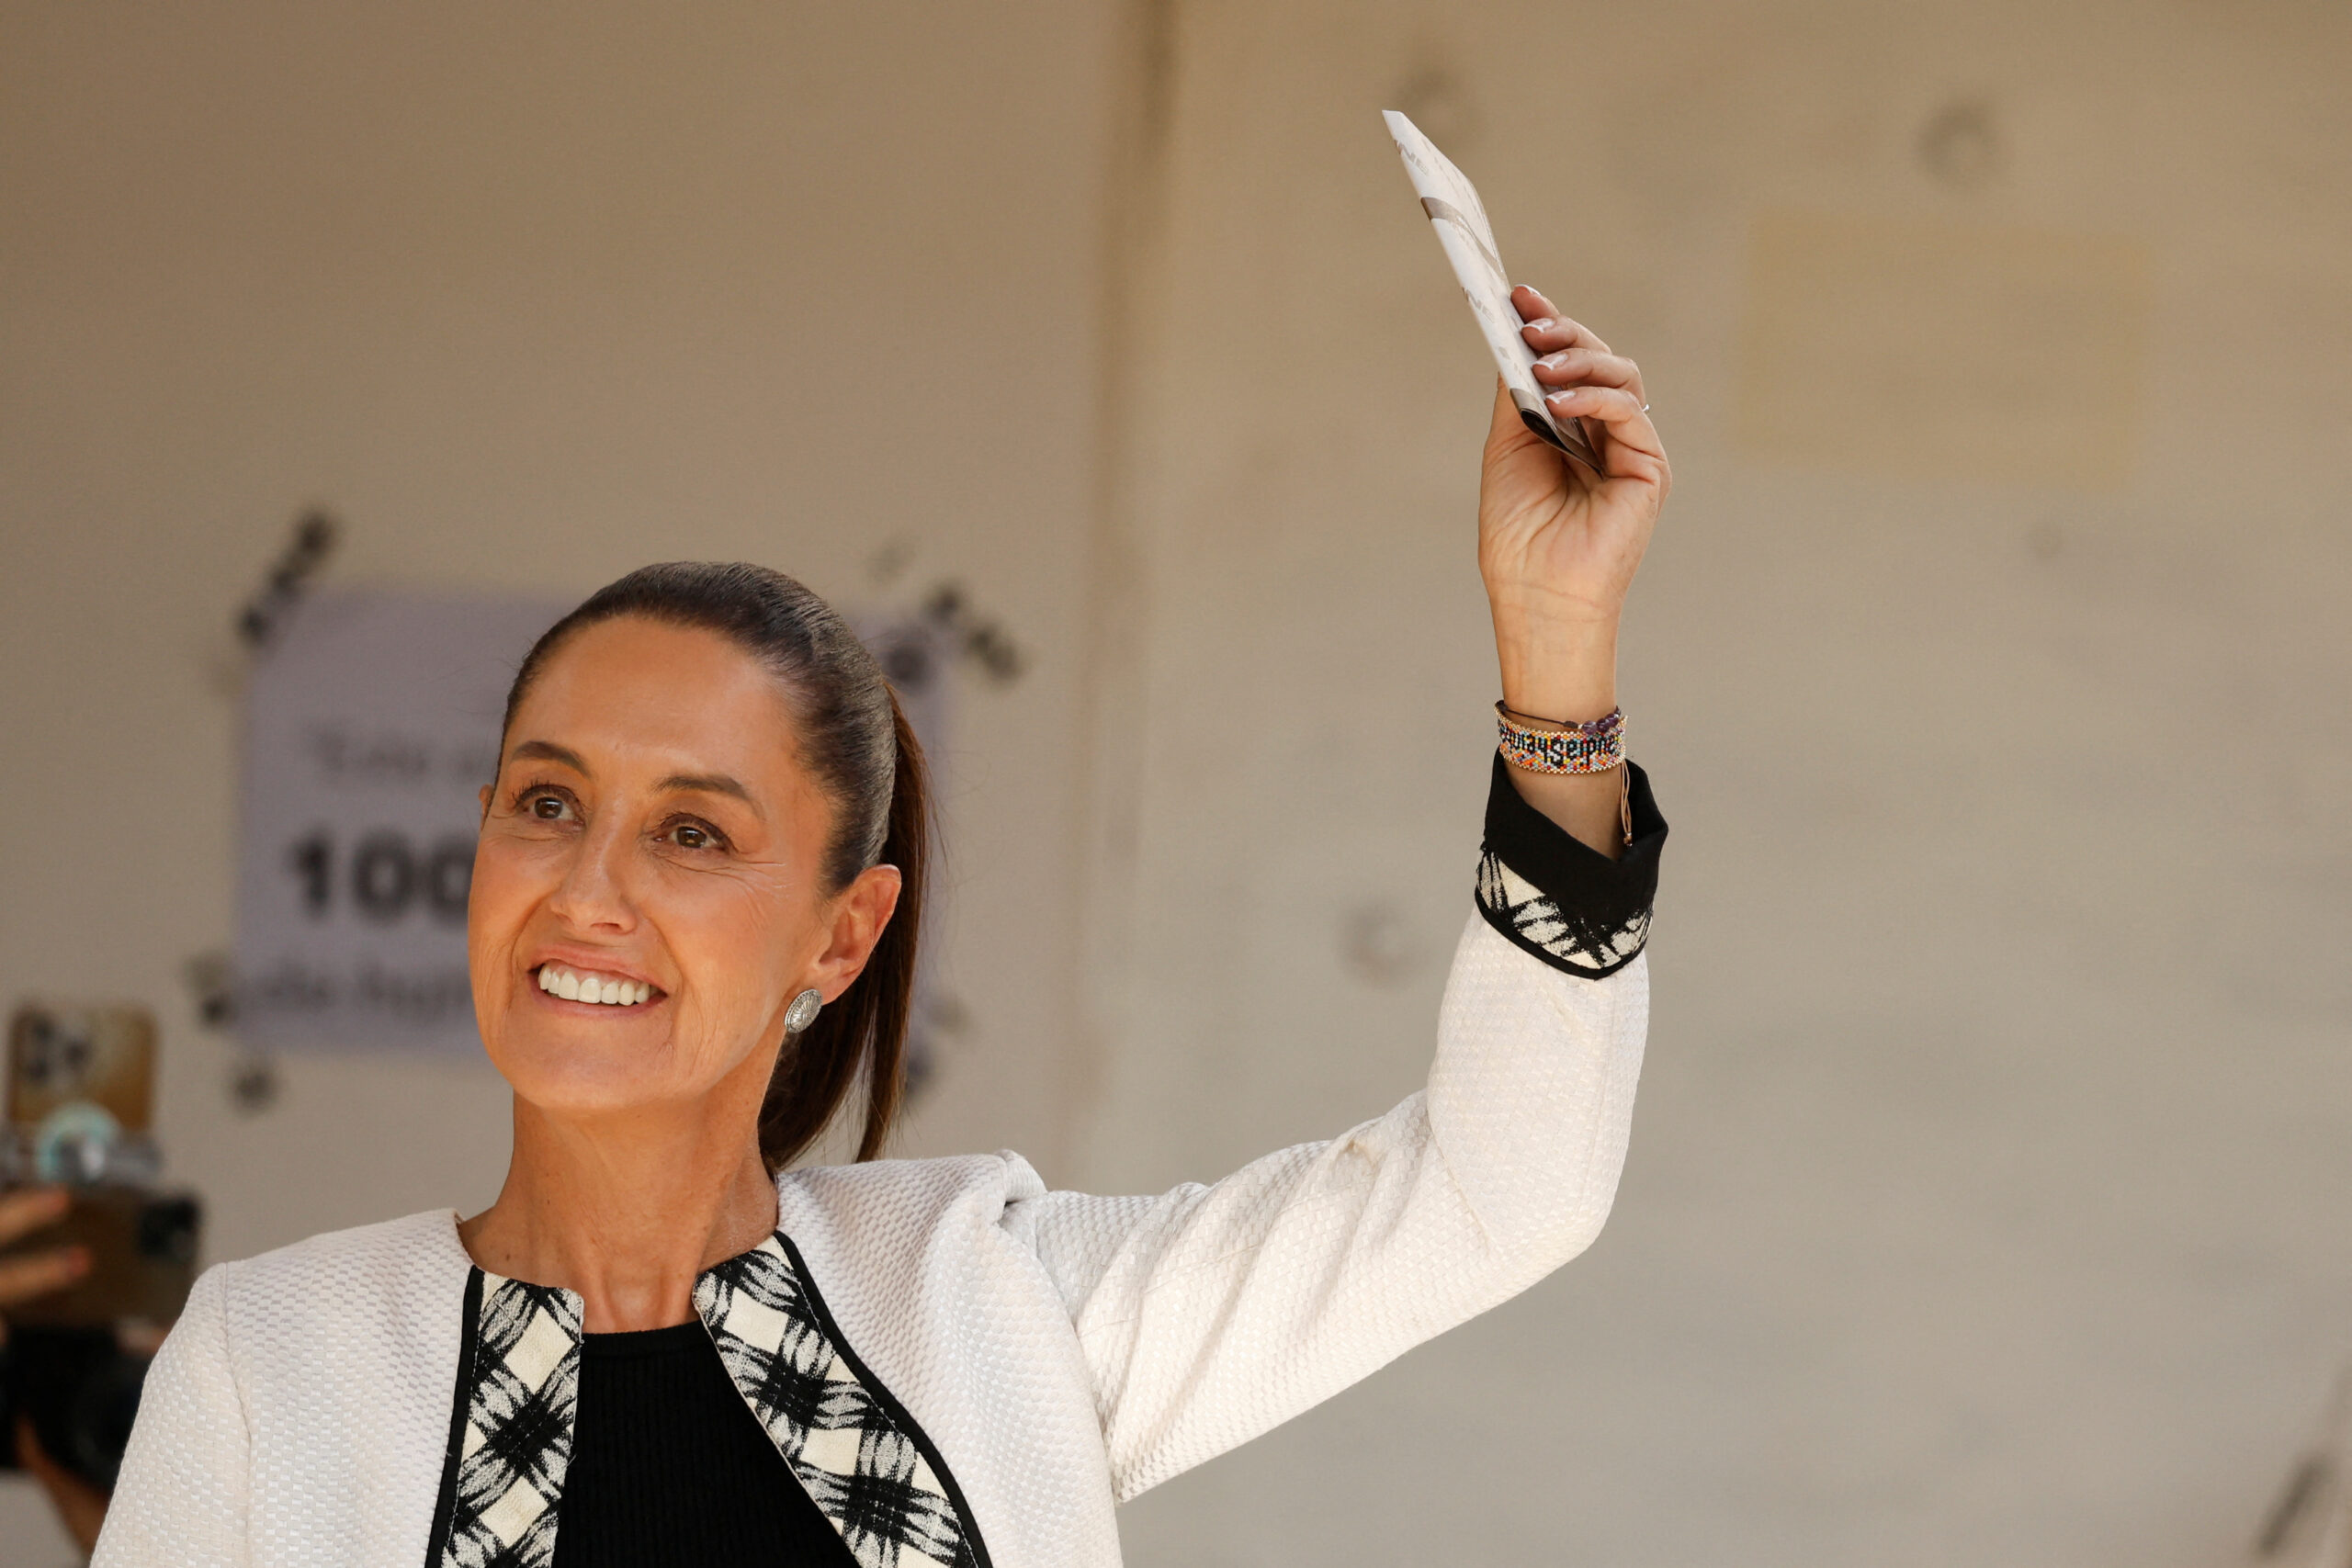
866, 1464
1571, 906
1519, 910
519, 1379
869, 1467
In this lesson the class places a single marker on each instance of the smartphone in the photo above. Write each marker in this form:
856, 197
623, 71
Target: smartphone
80, 1087
80, 1107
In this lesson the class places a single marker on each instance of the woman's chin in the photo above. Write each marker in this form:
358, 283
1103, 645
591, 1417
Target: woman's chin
589, 1069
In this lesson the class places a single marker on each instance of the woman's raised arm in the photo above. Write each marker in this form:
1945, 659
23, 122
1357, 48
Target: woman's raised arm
1559, 548
1207, 1315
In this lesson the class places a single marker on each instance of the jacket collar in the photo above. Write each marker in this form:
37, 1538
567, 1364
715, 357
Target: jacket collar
866, 1464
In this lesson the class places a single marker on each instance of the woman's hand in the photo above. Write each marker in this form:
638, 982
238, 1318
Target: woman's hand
1558, 546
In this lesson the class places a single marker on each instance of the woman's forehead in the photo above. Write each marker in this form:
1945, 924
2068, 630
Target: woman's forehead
641, 693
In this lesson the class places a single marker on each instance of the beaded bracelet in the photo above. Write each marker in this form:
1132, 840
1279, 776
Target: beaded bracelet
1593, 747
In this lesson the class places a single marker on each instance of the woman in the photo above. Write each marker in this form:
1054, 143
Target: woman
692, 933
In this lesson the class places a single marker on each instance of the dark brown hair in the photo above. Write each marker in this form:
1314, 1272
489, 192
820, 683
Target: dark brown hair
853, 735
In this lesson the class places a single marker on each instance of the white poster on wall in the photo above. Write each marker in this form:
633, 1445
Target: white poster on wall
371, 725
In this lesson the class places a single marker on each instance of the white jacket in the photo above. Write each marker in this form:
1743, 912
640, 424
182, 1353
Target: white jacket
1004, 1363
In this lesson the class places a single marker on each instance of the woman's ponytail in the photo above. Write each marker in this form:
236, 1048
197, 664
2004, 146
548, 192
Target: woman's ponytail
864, 1028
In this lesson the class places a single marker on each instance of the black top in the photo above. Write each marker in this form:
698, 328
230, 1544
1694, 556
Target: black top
669, 1466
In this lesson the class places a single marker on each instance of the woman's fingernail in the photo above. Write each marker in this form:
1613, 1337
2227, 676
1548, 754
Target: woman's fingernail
1541, 324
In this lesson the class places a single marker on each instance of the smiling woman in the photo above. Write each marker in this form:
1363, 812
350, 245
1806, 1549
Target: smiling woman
694, 908
706, 792
709, 809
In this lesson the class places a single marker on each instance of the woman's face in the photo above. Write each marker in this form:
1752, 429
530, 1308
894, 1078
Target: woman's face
654, 850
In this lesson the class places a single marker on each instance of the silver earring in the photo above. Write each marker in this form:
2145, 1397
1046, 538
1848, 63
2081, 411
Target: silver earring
803, 1011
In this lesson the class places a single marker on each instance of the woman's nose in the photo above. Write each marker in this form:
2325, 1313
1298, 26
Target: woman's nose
594, 892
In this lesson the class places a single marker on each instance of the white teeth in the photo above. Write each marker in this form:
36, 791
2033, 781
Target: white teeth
576, 987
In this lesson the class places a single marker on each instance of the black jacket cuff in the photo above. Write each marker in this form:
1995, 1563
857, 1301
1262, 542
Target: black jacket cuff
1565, 903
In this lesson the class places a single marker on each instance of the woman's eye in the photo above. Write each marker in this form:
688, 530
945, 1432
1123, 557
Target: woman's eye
546, 807
690, 836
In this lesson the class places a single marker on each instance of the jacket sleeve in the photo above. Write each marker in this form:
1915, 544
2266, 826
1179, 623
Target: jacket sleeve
1208, 1314
181, 1498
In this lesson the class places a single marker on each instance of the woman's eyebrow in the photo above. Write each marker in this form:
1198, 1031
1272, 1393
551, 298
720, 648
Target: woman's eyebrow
548, 752
711, 784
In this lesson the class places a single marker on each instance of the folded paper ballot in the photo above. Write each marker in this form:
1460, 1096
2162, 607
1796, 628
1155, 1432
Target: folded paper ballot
1451, 203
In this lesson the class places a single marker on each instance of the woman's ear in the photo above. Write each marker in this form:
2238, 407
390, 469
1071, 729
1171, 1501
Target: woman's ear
860, 916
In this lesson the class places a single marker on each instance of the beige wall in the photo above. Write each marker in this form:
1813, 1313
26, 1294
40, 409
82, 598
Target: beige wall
1987, 1202
1986, 1197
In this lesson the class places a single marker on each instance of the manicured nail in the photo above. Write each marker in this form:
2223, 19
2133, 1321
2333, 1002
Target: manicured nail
1541, 324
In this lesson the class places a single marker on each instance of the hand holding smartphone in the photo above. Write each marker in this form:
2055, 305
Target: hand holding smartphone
95, 1261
